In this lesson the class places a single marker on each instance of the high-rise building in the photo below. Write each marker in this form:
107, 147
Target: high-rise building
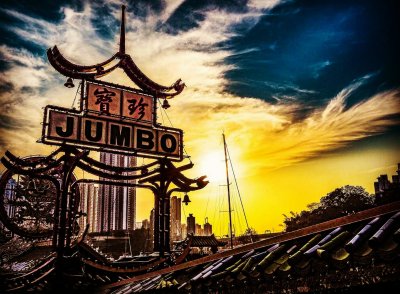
117, 204
207, 228
89, 205
152, 220
9, 196
176, 229
191, 224
386, 191
198, 230
145, 224
184, 231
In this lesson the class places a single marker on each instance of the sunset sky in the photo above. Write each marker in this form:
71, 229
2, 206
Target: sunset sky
307, 92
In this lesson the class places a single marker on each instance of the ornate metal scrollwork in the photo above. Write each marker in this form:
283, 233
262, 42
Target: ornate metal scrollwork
29, 190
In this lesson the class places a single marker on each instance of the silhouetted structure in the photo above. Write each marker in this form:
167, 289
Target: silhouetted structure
176, 230
207, 228
191, 224
386, 191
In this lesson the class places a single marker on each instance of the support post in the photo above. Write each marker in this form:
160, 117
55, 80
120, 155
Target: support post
162, 213
65, 220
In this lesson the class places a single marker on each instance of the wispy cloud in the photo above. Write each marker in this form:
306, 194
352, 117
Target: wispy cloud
267, 135
262, 136
318, 67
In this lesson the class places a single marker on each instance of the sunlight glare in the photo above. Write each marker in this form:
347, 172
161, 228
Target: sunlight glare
213, 166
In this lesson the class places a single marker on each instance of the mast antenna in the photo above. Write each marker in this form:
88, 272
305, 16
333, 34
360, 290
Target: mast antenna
240, 197
122, 36
229, 192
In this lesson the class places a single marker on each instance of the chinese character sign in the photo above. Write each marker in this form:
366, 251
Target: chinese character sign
105, 100
137, 106
122, 103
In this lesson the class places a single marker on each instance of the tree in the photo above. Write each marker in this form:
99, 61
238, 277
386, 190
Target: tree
250, 235
340, 202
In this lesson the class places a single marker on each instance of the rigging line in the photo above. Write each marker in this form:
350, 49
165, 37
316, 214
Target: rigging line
76, 94
237, 187
166, 114
216, 207
161, 112
208, 200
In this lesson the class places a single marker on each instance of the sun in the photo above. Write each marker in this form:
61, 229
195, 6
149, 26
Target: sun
213, 166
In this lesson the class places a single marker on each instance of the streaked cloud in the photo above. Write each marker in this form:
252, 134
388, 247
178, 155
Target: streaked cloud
263, 136
192, 56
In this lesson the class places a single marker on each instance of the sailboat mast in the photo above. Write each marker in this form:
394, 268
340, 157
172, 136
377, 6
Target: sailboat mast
229, 191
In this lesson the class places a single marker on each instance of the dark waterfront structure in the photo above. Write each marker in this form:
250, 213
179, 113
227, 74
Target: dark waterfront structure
386, 191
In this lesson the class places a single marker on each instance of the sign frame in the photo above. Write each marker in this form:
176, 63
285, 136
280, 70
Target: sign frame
47, 139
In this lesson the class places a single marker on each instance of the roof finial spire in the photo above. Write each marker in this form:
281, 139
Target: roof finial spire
122, 37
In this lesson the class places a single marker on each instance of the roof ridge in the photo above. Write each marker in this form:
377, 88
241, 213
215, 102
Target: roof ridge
321, 227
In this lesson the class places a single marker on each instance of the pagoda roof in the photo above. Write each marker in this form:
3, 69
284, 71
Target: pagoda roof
205, 241
119, 60
352, 251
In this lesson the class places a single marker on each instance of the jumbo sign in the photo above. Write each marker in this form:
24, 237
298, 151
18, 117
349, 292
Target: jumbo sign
113, 119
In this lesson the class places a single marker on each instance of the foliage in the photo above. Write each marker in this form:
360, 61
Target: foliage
248, 236
340, 202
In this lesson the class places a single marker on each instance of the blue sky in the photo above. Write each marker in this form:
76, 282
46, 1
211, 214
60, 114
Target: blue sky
290, 82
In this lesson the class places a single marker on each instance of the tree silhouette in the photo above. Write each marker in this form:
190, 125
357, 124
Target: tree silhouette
340, 202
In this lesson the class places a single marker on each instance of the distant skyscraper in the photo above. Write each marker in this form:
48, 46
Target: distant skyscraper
207, 228
145, 224
386, 191
9, 195
117, 205
191, 224
152, 218
184, 231
88, 205
176, 230
198, 230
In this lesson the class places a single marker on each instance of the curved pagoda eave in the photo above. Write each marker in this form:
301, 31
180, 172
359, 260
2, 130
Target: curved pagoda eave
90, 72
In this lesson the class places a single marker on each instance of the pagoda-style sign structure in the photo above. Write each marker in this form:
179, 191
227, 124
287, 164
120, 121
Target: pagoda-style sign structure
42, 191
121, 60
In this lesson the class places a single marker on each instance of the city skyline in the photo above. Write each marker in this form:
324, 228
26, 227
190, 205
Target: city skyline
306, 91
